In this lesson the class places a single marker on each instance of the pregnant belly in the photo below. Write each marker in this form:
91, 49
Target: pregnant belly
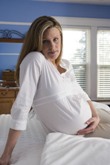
66, 119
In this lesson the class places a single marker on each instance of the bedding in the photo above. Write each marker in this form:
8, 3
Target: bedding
36, 147
29, 146
63, 149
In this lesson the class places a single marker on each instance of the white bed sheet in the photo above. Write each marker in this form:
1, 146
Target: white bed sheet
57, 148
63, 149
29, 146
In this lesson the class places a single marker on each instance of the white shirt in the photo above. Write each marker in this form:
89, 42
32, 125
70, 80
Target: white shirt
58, 100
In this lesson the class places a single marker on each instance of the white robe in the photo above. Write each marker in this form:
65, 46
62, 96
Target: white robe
58, 100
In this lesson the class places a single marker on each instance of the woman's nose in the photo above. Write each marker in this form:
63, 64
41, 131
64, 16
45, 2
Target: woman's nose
52, 45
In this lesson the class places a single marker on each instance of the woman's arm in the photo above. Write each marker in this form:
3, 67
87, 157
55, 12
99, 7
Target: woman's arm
92, 122
94, 112
11, 142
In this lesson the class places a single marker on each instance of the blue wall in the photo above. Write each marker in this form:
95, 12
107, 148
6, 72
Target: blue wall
27, 11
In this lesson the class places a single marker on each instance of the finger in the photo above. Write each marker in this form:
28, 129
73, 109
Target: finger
87, 130
91, 120
84, 132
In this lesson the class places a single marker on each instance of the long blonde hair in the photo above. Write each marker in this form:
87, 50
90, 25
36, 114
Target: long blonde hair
34, 39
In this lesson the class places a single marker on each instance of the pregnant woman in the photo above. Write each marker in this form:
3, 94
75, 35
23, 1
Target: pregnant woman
48, 85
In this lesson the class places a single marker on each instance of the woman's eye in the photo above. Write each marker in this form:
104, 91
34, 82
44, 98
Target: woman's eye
45, 41
56, 39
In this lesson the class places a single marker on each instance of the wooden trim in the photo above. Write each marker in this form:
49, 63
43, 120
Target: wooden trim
12, 40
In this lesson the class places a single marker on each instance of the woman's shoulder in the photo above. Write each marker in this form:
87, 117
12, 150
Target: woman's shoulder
35, 56
35, 59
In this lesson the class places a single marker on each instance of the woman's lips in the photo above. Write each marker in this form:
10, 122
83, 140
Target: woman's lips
53, 54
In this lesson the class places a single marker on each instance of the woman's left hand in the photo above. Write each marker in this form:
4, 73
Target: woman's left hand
92, 123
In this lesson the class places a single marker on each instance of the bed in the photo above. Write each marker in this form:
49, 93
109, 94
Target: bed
36, 147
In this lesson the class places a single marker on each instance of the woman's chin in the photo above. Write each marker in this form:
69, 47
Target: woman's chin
53, 58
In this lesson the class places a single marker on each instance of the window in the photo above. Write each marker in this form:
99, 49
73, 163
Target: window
103, 62
75, 49
87, 46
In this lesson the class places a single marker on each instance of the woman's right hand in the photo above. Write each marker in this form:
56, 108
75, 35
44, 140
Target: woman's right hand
5, 160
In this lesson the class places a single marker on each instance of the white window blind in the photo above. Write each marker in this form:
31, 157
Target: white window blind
103, 61
75, 49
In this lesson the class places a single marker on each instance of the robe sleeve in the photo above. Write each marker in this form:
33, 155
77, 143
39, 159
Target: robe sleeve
30, 70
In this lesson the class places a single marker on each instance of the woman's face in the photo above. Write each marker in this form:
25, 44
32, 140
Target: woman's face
51, 44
